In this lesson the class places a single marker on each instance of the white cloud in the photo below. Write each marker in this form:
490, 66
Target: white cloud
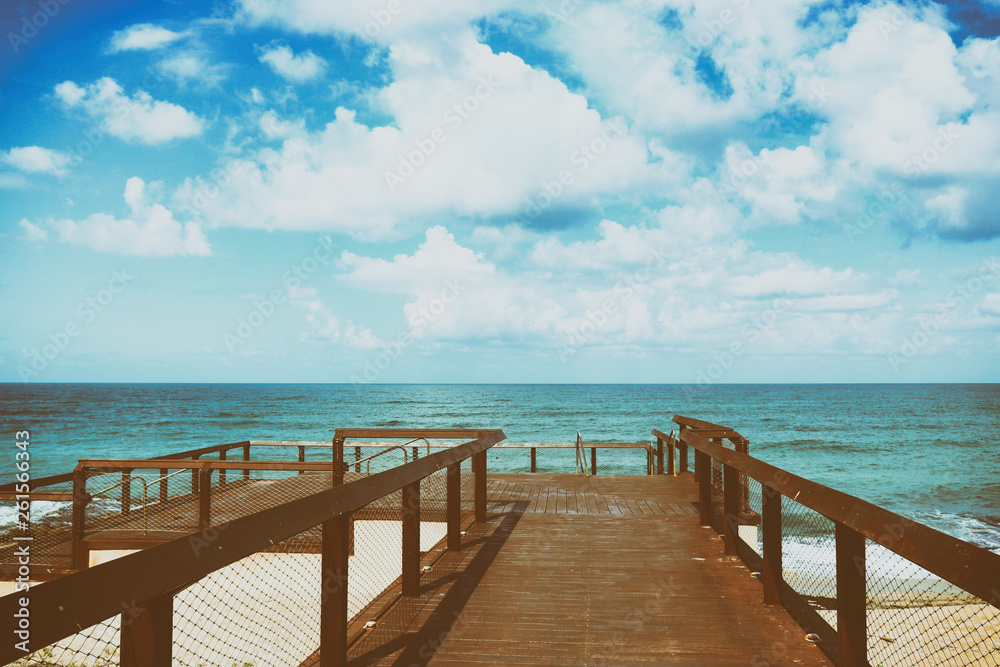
138, 118
143, 37
795, 278
990, 305
33, 232
35, 159
325, 326
475, 133
299, 68
375, 19
151, 231
191, 66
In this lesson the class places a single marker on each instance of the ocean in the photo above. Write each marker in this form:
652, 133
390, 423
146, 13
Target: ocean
930, 452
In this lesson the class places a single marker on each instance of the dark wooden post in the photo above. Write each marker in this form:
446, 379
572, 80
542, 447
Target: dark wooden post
81, 555
731, 506
479, 494
702, 463
852, 621
163, 485
147, 631
357, 457
333, 597
771, 542
126, 491
659, 456
454, 506
534, 467
683, 459
338, 461
205, 497
222, 471
411, 540
593, 460
194, 477
302, 457
416, 453
246, 457
671, 470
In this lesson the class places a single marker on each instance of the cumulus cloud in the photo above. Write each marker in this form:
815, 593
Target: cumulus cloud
302, 67
143, 37
137, 118
35, 159
325, 326
149, 231
476, 133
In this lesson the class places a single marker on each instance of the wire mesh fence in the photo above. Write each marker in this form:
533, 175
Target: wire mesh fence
264, 609
610, 460
915, 618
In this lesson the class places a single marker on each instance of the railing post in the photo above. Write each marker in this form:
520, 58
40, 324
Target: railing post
416, 453
163, 485
852, 621
333, 597
671, 470
731, 507
701, 463
81, 555
454, 506
246, 457
659, 456
302, 457
126, 491
147, 631
205, 497
683, 459
338, 461
533, 466
593, 460
357, 457
222, 471
194, 477
411, 539
479, 494
771, 543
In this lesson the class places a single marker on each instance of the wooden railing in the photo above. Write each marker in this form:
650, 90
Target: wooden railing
969, 567
147, 581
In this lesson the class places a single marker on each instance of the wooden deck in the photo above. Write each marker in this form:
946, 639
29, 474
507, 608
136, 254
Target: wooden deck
576, 570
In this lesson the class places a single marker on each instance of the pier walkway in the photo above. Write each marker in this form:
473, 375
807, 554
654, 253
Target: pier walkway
555, 576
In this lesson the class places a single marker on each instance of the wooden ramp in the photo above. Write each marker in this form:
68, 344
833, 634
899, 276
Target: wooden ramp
576, 570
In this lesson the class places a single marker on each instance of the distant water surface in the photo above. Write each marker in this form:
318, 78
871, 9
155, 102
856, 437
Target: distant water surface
931, 452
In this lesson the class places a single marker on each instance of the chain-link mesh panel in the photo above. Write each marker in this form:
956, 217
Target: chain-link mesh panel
47, 526
97, 646
809, 557
915, 618
262, 610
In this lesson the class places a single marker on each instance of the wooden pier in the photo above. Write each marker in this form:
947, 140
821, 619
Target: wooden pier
440, 561
578, 570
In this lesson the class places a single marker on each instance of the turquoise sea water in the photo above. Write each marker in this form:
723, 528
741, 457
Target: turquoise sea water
930, 452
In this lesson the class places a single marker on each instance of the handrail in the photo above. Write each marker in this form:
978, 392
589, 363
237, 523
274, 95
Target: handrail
972, 568
145, 495
368, 460
62, 606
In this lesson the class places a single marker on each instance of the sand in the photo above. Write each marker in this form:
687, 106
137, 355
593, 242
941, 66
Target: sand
263, 610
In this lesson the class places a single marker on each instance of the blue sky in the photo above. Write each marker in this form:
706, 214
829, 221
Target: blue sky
499, 191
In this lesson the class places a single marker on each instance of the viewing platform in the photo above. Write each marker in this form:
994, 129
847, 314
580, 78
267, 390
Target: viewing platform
345, 555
